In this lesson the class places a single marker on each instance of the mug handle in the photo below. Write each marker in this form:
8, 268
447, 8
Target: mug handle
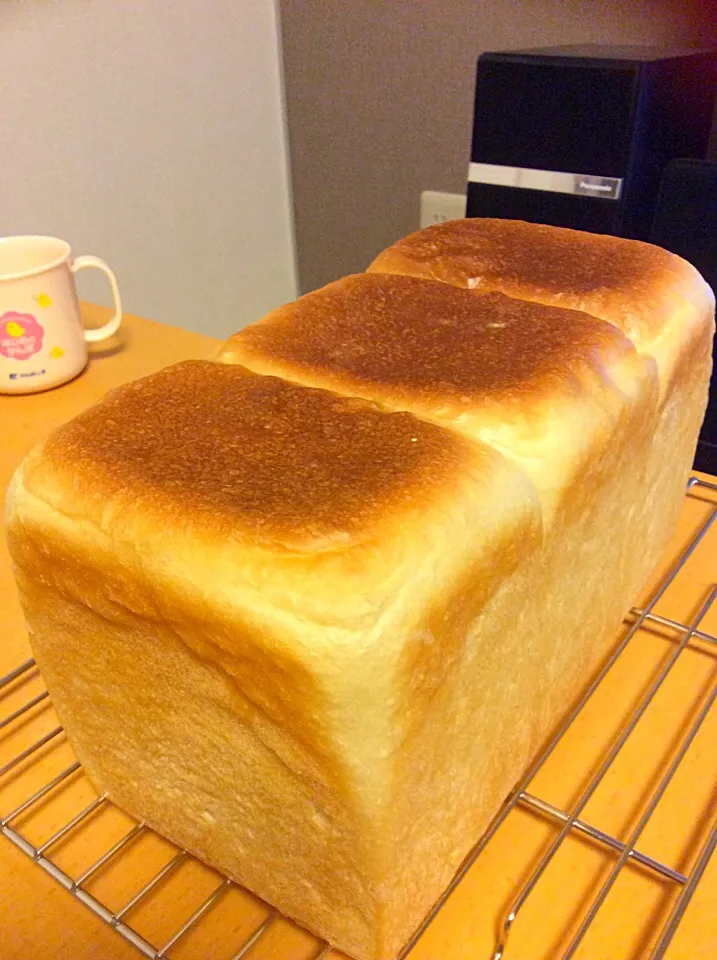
101, 333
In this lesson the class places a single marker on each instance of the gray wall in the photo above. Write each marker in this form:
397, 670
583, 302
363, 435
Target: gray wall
380, 100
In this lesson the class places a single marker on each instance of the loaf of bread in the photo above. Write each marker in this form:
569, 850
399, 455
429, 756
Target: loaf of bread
310, 611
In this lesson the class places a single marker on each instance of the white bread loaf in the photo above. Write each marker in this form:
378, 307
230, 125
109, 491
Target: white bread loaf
312, 621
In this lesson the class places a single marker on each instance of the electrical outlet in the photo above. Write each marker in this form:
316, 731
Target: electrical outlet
437, 207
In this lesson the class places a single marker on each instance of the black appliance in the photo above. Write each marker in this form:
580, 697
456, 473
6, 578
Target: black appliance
579, 136
686, 223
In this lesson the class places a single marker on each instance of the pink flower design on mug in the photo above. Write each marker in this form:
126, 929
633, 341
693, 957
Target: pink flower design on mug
20, 335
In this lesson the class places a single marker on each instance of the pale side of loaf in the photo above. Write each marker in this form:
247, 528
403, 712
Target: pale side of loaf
312, 621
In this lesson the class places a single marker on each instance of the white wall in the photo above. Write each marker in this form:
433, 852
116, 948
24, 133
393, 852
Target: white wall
152, 134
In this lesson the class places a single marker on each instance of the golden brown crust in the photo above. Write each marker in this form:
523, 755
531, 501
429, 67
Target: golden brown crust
255, 457
334, 728
481, 252
378, 334
626, 282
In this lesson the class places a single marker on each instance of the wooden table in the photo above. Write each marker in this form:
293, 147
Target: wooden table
39, 918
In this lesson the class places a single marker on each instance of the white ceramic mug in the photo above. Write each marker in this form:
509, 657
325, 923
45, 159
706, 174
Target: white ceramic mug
42, 340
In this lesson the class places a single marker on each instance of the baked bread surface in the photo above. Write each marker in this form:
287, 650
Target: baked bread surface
651, 294
545, 385
310, 611
243, 594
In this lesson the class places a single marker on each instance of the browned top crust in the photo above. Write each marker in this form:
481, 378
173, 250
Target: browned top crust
387, 336
252, 457
626, 282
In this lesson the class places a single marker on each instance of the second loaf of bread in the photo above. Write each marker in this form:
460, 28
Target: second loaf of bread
310, 611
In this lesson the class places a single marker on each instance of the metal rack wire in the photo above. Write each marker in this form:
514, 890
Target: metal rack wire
568, 822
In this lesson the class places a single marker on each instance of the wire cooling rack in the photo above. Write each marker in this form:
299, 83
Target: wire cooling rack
121, 869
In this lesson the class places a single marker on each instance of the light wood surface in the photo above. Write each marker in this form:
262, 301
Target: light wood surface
40, 919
